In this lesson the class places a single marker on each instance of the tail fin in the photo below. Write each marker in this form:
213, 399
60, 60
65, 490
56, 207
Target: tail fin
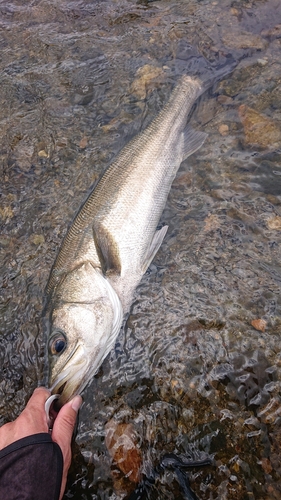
189, 61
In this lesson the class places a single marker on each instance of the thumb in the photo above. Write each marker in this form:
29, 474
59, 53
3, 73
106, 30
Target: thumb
62, 433
64, 424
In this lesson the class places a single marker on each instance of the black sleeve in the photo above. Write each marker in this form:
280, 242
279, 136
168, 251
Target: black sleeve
31, 469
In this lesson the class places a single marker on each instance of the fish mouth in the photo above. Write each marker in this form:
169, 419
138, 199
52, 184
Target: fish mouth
70, 380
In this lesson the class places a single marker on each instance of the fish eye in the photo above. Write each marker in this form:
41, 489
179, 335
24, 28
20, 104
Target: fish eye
57, 343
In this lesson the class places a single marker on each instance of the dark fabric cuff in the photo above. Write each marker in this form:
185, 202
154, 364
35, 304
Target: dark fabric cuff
31, 469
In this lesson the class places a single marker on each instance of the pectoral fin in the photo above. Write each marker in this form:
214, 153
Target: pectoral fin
154, 247
192, 140
107, 250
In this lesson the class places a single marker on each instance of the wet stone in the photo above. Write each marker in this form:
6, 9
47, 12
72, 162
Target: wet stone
259, 324
144, 77
243, 40
121, 442
274, 223
225, 100
223, 129
259, 130
272, 33
83, 143
43, 154
23, 153
37, 239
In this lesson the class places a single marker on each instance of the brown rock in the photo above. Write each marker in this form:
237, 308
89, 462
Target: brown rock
223, 129
234, 12
121, 442
259, 129
183, 179
6, 213
212, 222
274, 223
37, 239
145, 75
225, 100
266, 465
83, 143
23, 151
259, 324
273, 32
42, 153
243, 40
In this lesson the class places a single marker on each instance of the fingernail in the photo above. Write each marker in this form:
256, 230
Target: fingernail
76, 403
40, 387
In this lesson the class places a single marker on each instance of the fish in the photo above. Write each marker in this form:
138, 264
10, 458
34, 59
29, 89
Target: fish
111, 243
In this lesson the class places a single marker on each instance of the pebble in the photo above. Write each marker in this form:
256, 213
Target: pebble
212, 222
266, 465
43, 154
223, 129
225, 100
274, 223
37, 239
262, 62
83, 143
259, 324
6, 213
234, 12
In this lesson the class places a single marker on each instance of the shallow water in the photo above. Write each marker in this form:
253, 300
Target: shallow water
197, 366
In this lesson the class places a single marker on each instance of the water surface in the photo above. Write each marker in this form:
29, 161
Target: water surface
197, 367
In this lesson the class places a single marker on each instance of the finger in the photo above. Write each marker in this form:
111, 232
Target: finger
62, 434
38, 398
65, 423
35, 407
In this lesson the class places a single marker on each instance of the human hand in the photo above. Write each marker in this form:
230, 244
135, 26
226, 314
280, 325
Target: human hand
33, 420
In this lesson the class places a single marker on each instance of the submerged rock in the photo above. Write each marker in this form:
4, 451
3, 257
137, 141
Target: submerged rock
243, 40
121, 442
223, 129
145, 75
274, 223
22, 152
272, 33
259, 324
259, 130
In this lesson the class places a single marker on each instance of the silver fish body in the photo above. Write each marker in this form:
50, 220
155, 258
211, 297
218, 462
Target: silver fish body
111, 243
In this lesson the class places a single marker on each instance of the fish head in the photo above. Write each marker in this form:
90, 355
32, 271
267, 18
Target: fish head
85, 320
